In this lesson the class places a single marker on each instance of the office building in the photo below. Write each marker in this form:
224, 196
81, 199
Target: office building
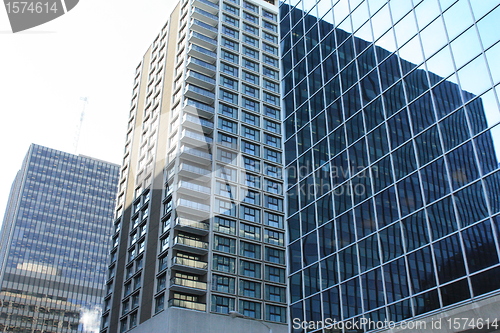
55, 242
391, 138
199, 219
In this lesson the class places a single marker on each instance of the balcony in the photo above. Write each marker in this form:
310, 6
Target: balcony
199, 109
200, 174
198, 93
195, 138
209, 6
188, 286
189, 265
190, 245
197, 123
195, 209
197, 155
202, 40
204, 16
201, 66
180, 303
200, 189
194, 155
192, 189
202, 53
192, 205
203, 28
191, 226
201, 80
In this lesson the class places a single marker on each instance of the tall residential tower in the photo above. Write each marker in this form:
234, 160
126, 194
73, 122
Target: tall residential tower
199, 221
55, 241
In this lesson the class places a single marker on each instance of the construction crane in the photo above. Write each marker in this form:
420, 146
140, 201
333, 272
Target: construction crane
76, 141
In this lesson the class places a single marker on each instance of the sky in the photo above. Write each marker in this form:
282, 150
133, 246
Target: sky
90, 52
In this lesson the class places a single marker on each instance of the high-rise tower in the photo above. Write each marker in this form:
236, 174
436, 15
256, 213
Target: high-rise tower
199, 222
391, 151
54, 242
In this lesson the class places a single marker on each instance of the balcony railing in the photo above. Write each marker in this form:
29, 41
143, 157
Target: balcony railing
191, 226
206, 109
198, 120
204, 25
189, 283
189, 263
196, 136
200, 91
202, 64
190, 154
202, 37
194, 169
201, 77
207, 5
193, 204
203, 50
194, 187
200, 11
191, 223
194, 152
181, 303
191, 242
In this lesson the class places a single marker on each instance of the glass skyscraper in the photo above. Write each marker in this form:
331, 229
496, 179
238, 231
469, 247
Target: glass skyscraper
391, 150
54, 241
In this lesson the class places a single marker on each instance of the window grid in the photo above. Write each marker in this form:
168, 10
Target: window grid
419, 91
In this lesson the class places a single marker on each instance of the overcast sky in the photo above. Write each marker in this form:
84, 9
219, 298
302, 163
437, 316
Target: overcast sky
92, 52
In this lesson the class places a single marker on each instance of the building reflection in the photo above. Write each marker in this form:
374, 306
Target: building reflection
421, 236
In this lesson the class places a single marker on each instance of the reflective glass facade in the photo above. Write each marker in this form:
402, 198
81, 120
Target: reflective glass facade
54, 241
391, 138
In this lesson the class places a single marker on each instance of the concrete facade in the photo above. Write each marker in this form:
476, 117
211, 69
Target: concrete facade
188, 321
